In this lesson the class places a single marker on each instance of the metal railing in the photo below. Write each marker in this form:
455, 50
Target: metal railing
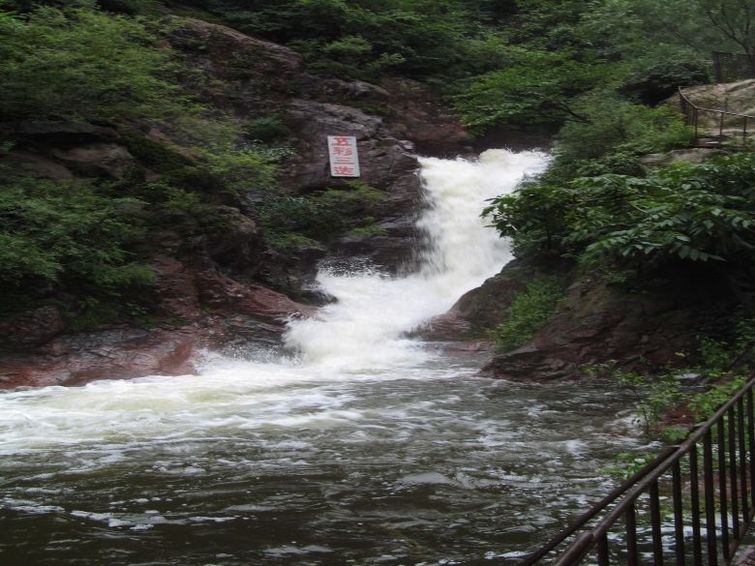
730, 125
673, 511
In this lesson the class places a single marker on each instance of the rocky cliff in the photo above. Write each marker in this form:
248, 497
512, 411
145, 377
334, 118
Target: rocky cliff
225, 283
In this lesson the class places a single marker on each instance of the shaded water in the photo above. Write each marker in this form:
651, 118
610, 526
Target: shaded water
365, 447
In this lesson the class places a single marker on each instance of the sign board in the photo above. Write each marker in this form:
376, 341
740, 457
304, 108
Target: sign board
344, 156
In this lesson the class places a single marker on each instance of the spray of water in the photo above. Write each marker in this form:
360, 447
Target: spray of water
364, 330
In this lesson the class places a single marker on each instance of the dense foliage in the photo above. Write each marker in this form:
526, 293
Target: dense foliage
529, 312
85, 243
84, 65
686, 212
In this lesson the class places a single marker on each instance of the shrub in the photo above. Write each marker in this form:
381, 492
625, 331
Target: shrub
267, 128
529, 312
692, 213
320, 216
66, 234
81, 64
614, 124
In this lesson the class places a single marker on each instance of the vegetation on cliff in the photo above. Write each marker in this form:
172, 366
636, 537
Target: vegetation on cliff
84, 243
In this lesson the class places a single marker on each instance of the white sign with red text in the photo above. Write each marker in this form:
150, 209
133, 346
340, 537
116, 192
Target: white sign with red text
344, 156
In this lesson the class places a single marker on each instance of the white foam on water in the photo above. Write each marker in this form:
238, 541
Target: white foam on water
365, 329
360, 337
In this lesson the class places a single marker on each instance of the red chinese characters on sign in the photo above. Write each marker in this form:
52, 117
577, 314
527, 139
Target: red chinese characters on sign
344, 156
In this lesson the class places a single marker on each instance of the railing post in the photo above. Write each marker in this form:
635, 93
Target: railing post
727, 481
721, 129
710, 501
631, 529
694, 477
676, 488
744, 131
722, 491
655, 524
697, 137
751, 443
742, 462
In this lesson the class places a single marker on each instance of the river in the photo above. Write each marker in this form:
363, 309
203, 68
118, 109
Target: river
354, 445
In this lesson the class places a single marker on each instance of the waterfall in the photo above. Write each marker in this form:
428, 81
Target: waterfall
365, 329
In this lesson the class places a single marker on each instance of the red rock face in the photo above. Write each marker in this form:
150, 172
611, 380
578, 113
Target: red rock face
212, 309
115, 354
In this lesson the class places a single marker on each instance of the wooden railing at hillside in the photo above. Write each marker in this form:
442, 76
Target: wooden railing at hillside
721, 126
692, 505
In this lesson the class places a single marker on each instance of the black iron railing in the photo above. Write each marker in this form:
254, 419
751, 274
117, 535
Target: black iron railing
692, 505
730, 126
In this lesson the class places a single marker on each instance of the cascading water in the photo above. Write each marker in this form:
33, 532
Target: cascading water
369, 448
363, 330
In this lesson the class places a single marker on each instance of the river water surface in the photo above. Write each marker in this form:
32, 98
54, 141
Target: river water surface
356, 445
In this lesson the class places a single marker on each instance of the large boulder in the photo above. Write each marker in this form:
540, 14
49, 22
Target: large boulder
113, 354
31, 328
64, 150
645, 329
255, 74
486, 306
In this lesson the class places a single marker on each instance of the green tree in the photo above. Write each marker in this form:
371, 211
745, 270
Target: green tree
81, 64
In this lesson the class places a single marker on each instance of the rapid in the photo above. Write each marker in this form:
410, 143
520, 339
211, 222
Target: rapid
357, 445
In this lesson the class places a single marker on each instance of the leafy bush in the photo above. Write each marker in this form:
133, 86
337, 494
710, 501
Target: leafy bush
84, 65
529, 312
533, 87
267, 128
321, 216
611, 123
534, 217
69, 235
687, 212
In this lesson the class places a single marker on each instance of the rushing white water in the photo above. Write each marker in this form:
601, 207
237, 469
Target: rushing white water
360, 335
363, 330
367, 445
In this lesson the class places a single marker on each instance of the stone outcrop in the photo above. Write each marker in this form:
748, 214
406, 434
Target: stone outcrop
114, 354
388, 165
207, 309
646, 330
483, 308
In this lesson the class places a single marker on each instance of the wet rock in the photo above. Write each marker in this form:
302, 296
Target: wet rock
228, 296
234, 241
36, 165
418, 113
485, 307
113, 354
176, 288
31, 328
58, 132
644, 330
